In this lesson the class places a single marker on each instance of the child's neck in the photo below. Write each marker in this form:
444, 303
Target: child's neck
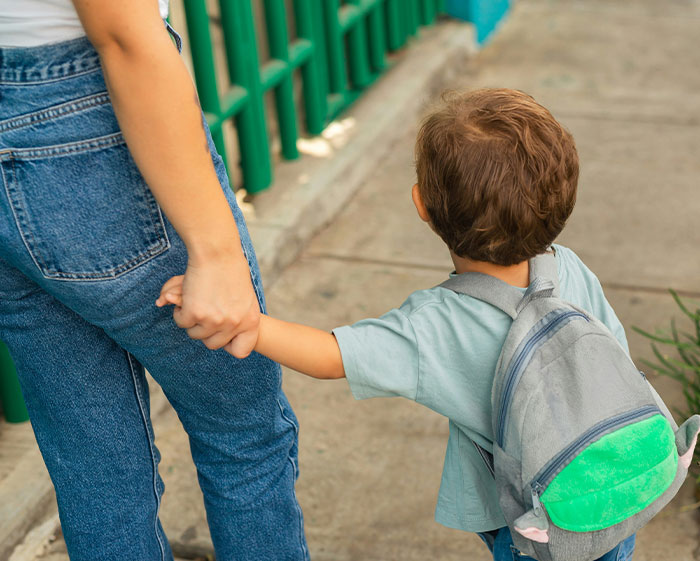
517, 275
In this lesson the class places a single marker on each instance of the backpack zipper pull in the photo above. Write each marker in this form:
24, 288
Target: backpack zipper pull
535, 491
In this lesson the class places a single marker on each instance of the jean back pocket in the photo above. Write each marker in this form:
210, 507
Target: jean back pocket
83, 209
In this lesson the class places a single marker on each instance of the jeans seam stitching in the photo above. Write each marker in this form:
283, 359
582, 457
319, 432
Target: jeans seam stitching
149, 438
113, 273
286, 418
48, 80
40, 266
69, 148
48, 114
164, 230
300, 515
295, 469
258, 293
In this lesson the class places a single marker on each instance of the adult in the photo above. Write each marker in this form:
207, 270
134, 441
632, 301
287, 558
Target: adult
110, 185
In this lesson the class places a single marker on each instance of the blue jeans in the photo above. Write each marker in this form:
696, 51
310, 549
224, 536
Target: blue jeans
84, 251
500, 543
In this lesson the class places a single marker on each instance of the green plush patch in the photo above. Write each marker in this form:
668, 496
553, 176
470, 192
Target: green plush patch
614, 478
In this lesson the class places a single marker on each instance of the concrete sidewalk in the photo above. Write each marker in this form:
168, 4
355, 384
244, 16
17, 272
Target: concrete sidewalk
623, 77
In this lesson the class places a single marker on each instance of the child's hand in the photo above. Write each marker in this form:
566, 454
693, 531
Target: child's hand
171, 293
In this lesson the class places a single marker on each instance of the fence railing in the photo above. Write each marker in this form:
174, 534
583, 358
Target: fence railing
339, 48
11, 400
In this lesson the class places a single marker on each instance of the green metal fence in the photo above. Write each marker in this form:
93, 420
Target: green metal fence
338, 46
10, 392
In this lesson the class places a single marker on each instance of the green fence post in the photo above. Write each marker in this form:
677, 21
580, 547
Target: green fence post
10, 392
404, 16
203, 62
377, 40
319, 29
244, 70
428, 10
314, 93
334, 44
394, 25
278, 40
358, 57
412, 16
418, 13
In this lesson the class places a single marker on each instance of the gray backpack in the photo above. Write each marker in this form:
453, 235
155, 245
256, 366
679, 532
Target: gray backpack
585, 450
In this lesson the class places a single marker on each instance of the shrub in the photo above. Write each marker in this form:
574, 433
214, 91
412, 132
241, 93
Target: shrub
681, 362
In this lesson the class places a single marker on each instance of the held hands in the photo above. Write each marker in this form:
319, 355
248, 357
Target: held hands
213, 309
305, 349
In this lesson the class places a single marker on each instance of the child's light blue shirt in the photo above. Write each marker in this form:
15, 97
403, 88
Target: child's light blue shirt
440, 349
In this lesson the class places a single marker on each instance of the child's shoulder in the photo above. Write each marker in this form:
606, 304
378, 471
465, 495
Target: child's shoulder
439, 303
567, 258
580, 286
574, 275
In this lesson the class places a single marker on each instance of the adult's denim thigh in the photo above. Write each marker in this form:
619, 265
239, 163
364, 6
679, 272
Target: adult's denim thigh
84, 251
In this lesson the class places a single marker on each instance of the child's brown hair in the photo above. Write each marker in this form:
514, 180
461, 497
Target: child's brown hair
496, 173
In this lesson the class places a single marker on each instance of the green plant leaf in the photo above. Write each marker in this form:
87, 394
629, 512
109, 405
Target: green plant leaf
672, 370
662, 371
684, 365
659, 339
684, 309
685, 354
685, 368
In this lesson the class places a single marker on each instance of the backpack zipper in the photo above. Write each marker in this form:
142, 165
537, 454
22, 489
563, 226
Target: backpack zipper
553, 467
536, 491
518, 363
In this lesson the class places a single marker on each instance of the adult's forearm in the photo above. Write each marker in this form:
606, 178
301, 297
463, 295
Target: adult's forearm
157, 109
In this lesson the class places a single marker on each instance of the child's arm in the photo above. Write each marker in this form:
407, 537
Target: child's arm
305, 349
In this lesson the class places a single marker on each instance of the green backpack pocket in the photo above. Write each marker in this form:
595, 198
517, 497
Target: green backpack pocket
614, 478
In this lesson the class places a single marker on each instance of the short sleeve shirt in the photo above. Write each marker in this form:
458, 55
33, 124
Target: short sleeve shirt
440, 349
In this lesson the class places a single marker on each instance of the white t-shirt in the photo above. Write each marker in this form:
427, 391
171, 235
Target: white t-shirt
28, 23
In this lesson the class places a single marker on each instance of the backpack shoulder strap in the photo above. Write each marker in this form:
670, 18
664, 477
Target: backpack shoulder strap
487, 289
544, 281
544, 266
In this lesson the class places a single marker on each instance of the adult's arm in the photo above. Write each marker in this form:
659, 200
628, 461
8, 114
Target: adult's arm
156, 105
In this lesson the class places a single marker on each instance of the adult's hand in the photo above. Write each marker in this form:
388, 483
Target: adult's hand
216, 303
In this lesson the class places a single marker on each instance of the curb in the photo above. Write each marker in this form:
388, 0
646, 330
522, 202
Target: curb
308, 193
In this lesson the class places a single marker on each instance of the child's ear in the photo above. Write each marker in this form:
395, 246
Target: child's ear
420, 207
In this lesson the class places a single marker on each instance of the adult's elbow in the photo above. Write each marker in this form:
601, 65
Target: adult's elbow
124, 26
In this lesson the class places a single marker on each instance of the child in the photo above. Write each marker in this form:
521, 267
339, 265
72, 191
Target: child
497, 178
